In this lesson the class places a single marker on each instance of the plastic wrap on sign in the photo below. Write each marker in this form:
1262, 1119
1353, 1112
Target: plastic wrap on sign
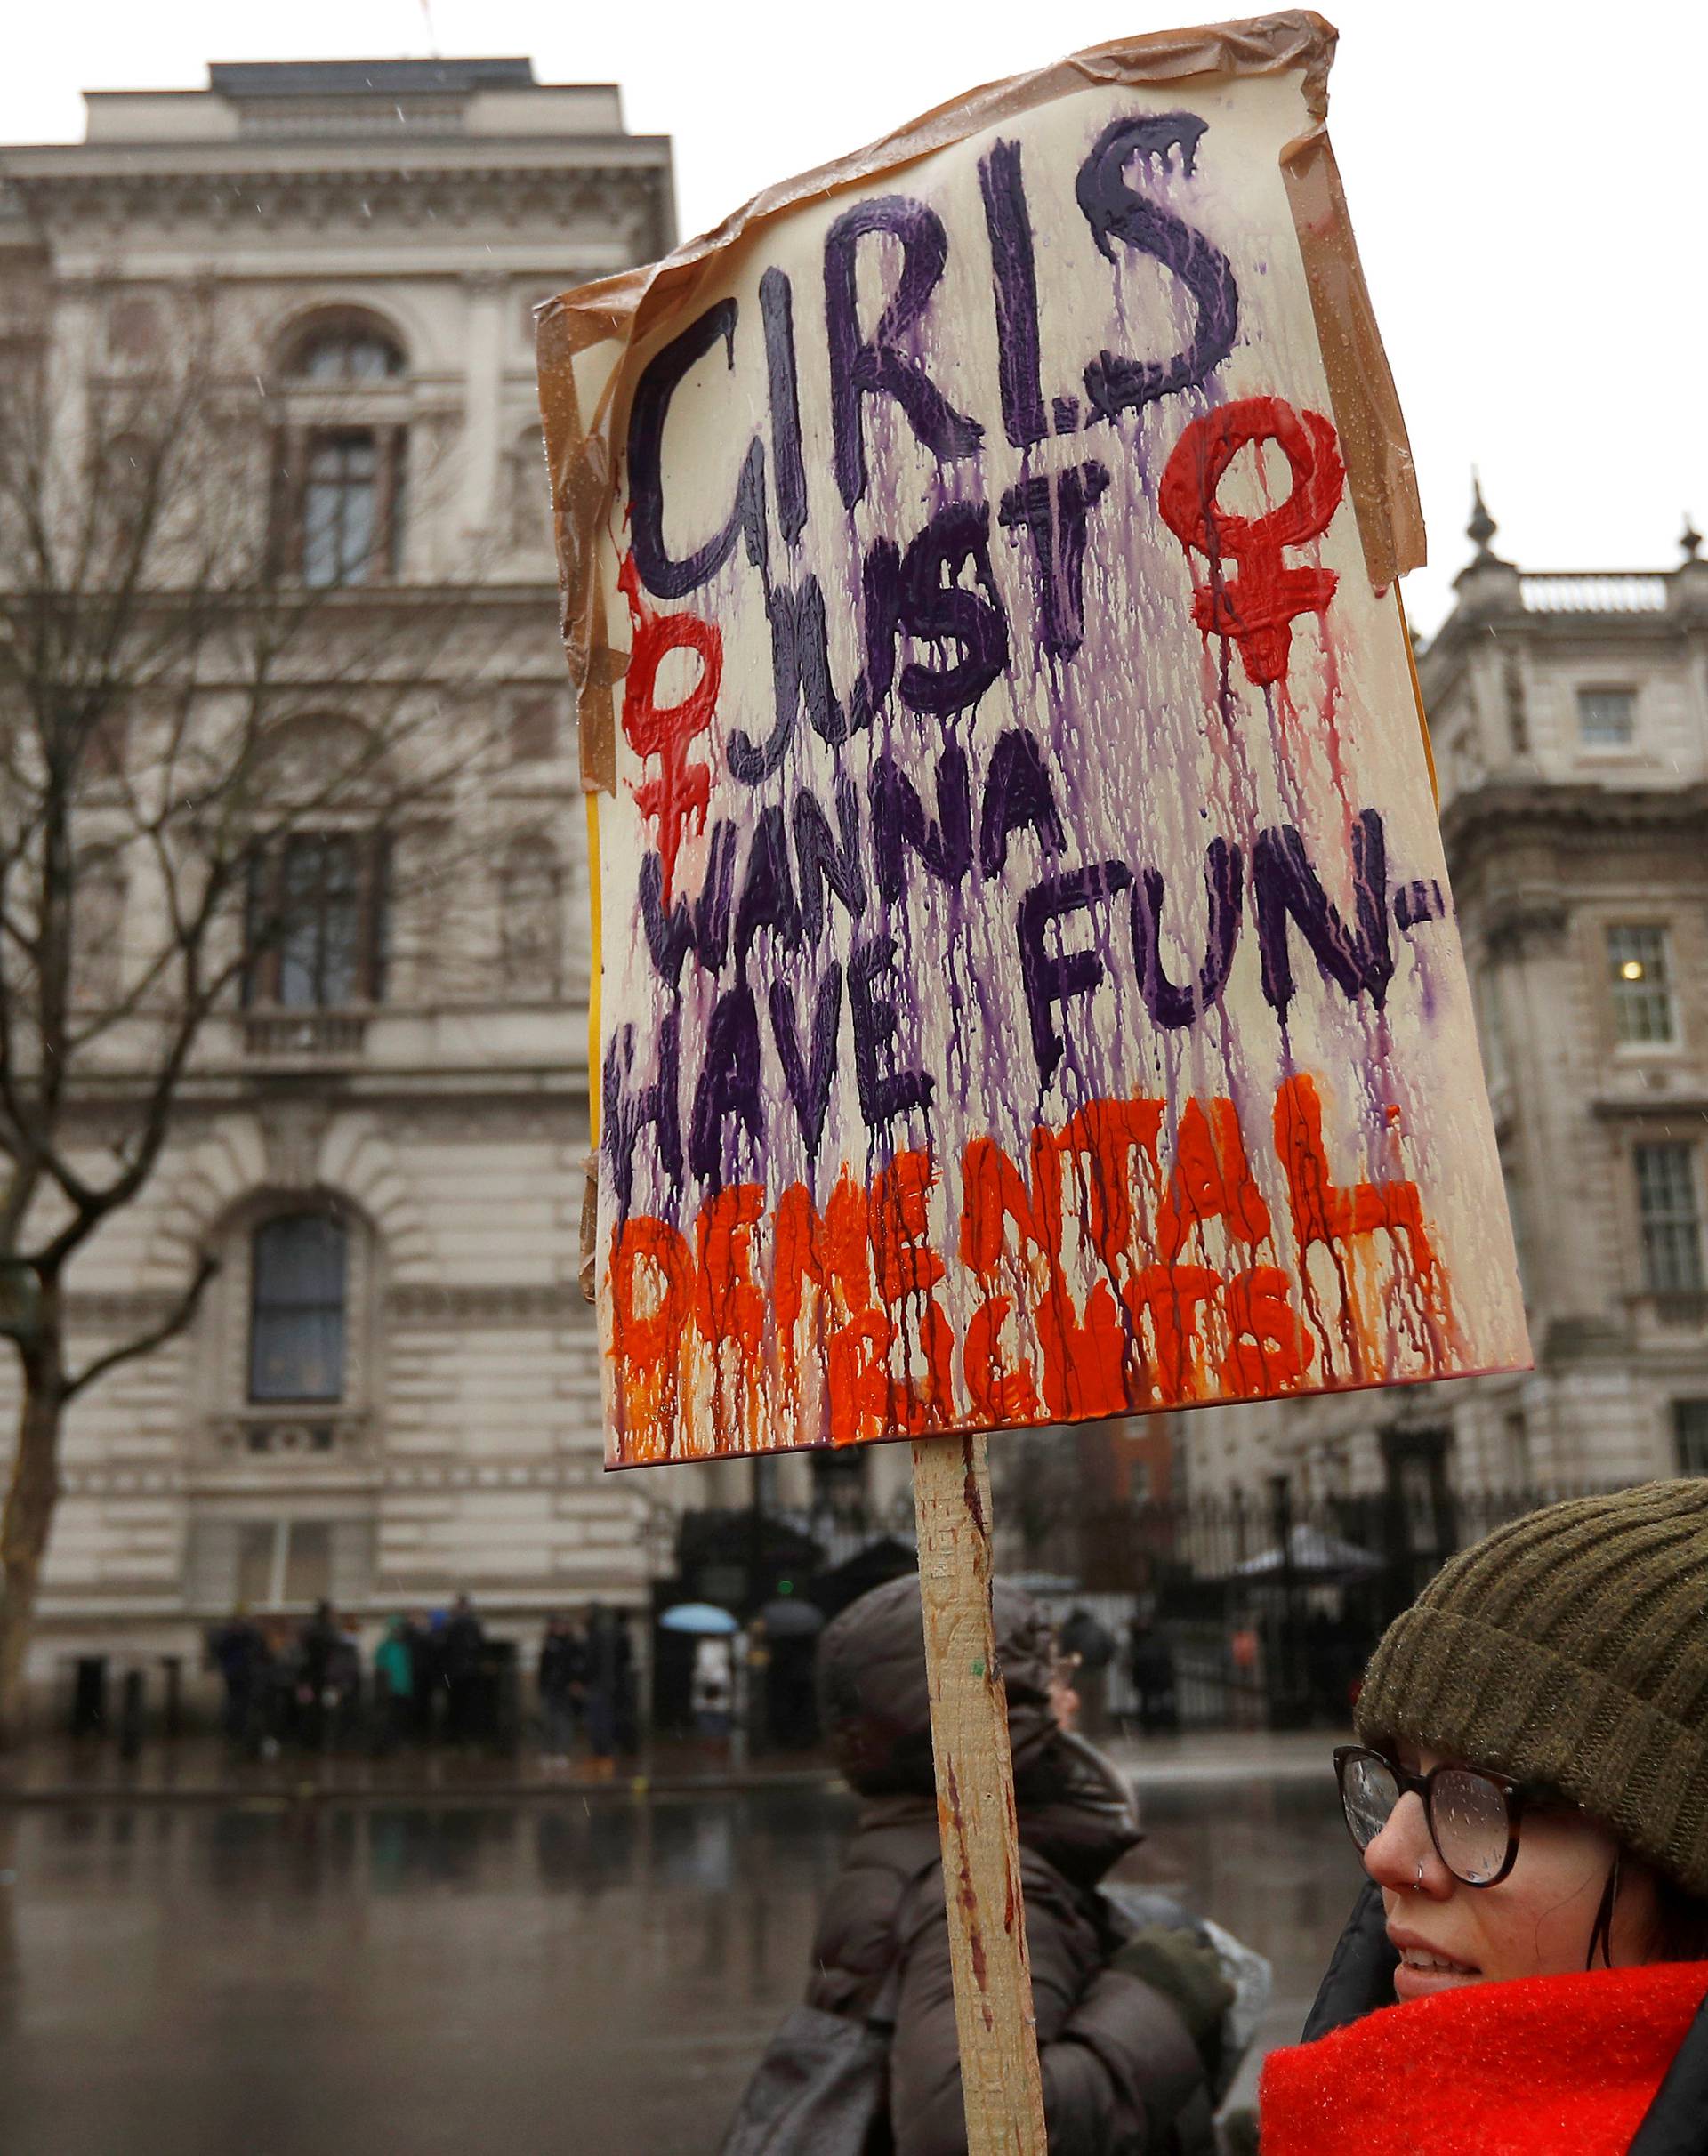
1027, 983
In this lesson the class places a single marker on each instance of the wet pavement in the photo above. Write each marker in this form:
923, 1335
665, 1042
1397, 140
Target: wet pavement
578, 1977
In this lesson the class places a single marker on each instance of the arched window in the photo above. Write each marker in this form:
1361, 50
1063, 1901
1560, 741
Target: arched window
530, 925
345, 348
298, 1290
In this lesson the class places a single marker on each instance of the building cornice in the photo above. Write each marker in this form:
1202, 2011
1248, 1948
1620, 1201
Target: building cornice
66, 164
564, 1469
320, 191
1684, 1105
405, 1304
1504, 813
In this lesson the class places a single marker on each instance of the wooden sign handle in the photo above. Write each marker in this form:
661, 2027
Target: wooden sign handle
975, 1802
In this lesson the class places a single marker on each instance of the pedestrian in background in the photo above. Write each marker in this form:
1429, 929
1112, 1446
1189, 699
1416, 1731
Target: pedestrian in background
462, 1647
1150, 1665
562, 1686
608, 1680
394, 1687
1092, 1646
315, 1649
281, 1708
424, 1684
1527, 1969
712, 1691
240, 1652
344, 1685
1126, 2019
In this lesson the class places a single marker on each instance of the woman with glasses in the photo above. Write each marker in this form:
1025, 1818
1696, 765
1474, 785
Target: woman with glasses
1529, 1797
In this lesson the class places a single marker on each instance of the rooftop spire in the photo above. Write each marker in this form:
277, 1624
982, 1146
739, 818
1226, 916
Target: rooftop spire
1482, 527
1689, 538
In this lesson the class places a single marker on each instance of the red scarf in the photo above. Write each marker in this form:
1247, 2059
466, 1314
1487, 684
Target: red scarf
1546, 2066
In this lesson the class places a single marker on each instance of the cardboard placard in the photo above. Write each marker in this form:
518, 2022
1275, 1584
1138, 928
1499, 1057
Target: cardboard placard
1029, 988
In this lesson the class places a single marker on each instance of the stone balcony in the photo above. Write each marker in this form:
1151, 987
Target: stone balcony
254, 1436
1674, 1321
304, 1040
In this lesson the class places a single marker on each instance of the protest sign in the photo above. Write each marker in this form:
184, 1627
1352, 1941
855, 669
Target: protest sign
1028, 983
1027, 987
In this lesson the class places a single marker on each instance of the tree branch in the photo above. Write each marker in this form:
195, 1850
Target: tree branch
181, 1315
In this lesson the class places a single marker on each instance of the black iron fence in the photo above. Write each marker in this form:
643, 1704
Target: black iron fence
1246, 1608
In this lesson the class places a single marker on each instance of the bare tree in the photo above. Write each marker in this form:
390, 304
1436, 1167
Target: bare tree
222, 722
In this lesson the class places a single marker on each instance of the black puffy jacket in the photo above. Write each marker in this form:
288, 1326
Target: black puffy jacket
1122, 2076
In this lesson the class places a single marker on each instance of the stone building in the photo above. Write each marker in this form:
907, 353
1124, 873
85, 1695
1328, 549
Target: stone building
390, 1393
1569, 720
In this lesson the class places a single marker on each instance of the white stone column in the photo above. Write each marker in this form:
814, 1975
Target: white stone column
76, 335
486, 292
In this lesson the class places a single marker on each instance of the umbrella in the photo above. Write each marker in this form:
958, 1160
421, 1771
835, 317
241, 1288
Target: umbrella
787, 1618
1313, 1554
698, 1617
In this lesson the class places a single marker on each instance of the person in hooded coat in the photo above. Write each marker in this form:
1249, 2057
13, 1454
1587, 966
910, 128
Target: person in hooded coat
1525, 1973
1122, 2071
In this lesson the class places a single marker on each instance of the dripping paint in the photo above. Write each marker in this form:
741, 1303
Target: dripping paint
1029, 984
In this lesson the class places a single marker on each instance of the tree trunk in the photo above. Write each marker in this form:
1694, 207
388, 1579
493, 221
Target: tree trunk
27, 1518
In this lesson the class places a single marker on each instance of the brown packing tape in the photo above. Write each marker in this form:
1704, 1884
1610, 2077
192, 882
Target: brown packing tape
581, 476
588, 1272
1367, 416
640, 306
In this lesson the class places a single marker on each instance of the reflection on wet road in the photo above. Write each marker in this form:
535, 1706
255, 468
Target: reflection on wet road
588, 1978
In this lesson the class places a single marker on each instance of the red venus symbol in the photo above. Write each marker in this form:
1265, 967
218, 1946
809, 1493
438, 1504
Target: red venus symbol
679, 795
1258, 607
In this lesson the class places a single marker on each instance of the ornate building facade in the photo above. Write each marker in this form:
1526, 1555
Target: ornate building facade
391, 1391
1569, 720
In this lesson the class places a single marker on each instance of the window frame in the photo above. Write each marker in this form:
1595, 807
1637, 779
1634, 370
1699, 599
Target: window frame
358, 337
1606, 744
1629, 997
278, 1535
349, 408
1685, 1442
1657, 1222
268, 896
321, 1306
352, 531
532, 853
528, 496
357, 329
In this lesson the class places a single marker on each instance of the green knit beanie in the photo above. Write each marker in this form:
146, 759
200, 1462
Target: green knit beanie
1571, 1648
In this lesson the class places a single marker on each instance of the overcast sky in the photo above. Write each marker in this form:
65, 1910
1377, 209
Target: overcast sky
1527, 182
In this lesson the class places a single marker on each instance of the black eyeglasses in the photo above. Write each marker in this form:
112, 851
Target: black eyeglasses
1474, 1816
